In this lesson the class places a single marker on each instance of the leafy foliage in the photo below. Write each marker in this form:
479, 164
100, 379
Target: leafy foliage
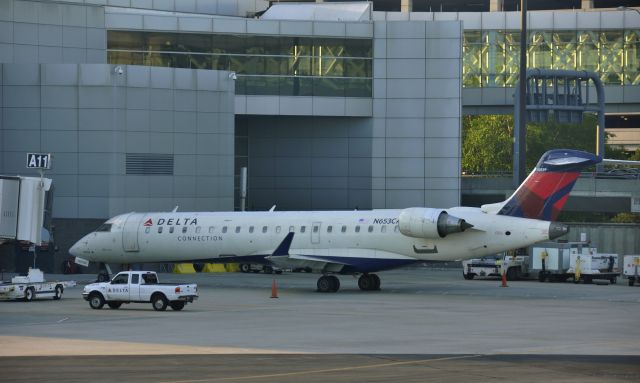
487, 144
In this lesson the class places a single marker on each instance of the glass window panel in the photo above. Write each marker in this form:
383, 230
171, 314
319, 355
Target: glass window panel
357, 87
125, 40
328, 47
125, 58
220, 62
358, 48
299, 66
611, 57
261, 85
254, 45
632, 58
192, 42
539, 50
159, 42
328, 87
328, 67
199, 61
231, 44
250, 64
296, 86
357, 67
297, 46
587, 51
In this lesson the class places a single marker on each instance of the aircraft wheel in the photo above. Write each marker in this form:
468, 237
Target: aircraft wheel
29, 293
376, 281
326, 284
245, 267
366, 283
631, 280
335, 283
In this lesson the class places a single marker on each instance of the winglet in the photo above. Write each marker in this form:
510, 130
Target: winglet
283, 248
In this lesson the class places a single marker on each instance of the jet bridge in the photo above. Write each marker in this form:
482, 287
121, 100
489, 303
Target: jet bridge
22, 208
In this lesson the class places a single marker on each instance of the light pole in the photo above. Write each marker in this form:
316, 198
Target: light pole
520, 144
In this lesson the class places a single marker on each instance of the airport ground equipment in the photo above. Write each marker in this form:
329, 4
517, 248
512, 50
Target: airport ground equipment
551, 259
632, 268
139, 287
491, 266
590, 265
32, 286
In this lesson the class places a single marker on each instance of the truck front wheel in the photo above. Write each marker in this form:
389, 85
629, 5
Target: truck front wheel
159, 302
96, 301
177, 306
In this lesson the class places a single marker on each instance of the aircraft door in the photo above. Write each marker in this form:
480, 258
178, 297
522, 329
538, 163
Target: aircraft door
130, 232
315, 232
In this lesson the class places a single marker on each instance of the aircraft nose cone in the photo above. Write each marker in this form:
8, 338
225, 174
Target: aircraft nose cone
557, 229
75, 249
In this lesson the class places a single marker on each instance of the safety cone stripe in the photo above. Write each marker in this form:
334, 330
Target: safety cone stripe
274, 289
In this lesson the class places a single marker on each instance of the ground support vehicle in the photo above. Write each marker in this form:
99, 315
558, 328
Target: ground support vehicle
139, 287
588, 267
632, 268
551, 260
515, 267
33, 286
256, 268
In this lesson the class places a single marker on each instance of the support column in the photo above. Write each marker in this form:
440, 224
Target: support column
496, 5
587, 4
406, 6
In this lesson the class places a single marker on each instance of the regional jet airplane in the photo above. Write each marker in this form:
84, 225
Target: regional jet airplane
345, 242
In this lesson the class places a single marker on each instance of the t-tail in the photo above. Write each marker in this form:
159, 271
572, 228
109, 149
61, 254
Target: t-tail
545, 191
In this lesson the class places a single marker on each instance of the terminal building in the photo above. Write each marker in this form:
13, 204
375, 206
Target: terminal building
150, 104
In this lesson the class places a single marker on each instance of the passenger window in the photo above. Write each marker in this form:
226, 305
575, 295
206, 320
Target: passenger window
171, 229
135, 278
292, 229
147, 230
184, 230
237, 229
198, 230
329, 229
278, 228
344, 228
303, 229
357, 229
383, 229
370, 228
159, 229
316, 228
211, 229
224, 229
264, 229
250, 229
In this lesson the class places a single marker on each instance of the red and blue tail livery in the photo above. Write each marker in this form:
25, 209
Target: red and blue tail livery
545, 191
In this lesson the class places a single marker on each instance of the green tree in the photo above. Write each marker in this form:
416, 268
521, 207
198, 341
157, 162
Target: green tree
487, 144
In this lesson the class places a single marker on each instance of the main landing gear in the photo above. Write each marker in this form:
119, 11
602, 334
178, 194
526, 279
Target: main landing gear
331, 283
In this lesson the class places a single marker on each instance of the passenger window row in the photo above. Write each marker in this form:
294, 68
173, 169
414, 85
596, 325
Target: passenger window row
278, 229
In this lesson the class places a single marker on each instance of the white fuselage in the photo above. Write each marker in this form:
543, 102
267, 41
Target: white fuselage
369, 236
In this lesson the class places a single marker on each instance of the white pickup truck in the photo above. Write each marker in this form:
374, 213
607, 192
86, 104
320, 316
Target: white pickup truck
139, 287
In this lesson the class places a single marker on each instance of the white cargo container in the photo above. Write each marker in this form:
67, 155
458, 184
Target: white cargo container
587, 267
632, 268
551, 260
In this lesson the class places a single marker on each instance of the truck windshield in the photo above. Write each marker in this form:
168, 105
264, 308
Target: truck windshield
105, 227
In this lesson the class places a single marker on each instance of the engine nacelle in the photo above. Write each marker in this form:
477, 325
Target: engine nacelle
419, 222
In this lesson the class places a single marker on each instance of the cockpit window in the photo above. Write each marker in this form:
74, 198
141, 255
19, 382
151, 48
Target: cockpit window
104, 227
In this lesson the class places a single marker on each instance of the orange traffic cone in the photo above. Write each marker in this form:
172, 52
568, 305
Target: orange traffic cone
274, 289
504, 280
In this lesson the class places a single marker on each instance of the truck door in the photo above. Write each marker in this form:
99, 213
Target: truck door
315, 232
134, 287
118, 289
130, 232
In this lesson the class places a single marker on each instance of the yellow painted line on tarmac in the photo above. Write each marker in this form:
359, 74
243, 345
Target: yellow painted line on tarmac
324, 371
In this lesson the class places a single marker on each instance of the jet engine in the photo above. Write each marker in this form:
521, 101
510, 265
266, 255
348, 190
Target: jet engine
421, 222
